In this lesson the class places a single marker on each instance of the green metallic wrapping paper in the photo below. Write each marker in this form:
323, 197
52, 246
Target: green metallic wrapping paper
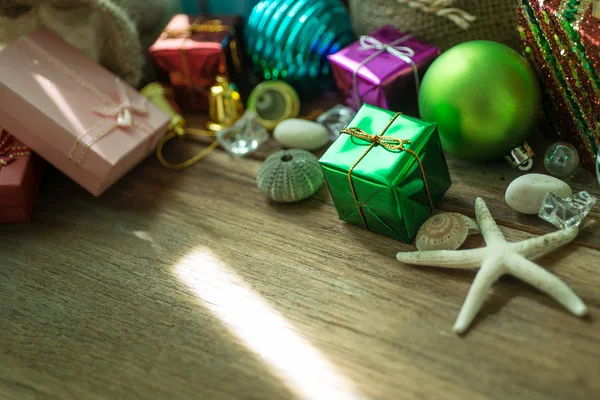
388, 184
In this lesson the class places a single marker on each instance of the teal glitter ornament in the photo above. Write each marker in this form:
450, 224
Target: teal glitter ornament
290, 40
289, 176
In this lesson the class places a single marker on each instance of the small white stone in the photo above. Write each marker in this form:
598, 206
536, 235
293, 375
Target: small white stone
295, 133
526, 193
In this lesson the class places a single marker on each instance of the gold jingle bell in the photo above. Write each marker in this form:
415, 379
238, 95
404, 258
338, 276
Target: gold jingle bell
225, 105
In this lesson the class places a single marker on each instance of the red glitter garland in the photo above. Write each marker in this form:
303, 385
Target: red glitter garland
590, 37
569, 79
8, 152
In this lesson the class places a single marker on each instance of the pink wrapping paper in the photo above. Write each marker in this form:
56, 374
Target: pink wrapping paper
386, 81
48, 94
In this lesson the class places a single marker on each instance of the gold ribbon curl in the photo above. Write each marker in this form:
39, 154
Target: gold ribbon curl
181, 134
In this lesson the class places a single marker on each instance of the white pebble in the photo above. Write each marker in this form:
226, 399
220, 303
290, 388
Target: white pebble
526, 193
295, 133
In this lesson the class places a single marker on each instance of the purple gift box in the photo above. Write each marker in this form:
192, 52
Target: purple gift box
383, 69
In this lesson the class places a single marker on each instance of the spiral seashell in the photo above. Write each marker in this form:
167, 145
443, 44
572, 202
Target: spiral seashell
446, 231
290, 175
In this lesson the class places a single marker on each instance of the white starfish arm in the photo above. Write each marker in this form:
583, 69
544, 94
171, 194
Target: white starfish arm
490, 272
489, 229
548, 283
444, 258
541, 245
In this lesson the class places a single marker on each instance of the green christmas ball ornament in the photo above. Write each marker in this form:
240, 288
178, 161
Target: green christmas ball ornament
483, 96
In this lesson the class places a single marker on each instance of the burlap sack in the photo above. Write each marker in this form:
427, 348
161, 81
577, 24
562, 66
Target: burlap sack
443, 23
115, 33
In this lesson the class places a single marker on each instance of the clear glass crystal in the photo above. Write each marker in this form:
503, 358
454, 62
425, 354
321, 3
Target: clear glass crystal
561, 159
244, 137
564, 213
335, 119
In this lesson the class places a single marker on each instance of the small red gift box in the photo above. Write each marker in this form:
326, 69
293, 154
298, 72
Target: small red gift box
192, 51
20, 173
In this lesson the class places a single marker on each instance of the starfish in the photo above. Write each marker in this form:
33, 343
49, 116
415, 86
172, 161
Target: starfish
498, 258
123, 110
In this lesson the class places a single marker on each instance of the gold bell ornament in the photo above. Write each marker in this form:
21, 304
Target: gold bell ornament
225, 105
156, 93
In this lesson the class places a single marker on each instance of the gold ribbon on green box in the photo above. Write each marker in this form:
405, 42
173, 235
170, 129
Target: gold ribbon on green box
387, 182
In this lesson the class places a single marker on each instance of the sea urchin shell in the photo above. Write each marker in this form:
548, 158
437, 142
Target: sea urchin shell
446, 231
290, 175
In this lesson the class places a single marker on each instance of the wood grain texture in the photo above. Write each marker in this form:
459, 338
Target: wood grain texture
189, 285
18, 382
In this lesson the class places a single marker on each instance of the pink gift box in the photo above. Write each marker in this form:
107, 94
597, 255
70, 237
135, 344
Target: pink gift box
74, 113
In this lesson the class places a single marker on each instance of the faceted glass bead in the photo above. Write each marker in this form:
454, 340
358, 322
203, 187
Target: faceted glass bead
561, 159
566, 212
335, 119
244, 137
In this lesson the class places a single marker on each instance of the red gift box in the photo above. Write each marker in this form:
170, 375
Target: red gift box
20, 174
192, 51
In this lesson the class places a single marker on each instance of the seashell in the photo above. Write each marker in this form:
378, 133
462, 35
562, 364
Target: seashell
290, 175
446, 231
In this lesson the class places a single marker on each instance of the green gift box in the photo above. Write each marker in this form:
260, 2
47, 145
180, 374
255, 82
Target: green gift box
386, 172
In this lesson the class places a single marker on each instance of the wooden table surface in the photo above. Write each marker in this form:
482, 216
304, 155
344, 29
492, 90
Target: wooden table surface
190, 285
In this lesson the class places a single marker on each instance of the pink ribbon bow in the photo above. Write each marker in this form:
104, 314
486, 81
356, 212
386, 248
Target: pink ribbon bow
123, 115
123, 112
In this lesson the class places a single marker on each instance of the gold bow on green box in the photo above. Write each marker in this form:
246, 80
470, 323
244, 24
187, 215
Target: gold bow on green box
386, 172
